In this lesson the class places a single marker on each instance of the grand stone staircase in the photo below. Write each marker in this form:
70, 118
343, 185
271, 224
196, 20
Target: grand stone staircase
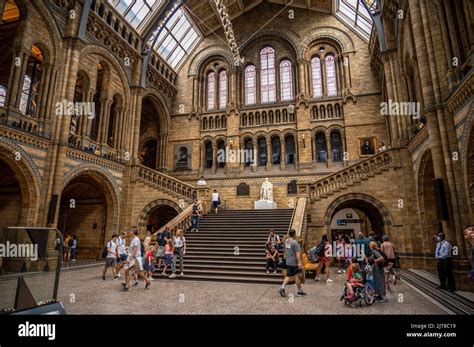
230, 246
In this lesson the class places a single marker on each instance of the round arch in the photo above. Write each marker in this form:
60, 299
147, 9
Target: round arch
143, 217
380, 217
329, 33
208, 53
28, 183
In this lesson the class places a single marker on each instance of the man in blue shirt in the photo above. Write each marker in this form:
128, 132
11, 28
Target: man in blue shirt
444, 263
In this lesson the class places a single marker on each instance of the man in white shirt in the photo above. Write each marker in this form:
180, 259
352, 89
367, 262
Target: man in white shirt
444, 263
201, 182
122, 254
111, 258
215, 200
135, 261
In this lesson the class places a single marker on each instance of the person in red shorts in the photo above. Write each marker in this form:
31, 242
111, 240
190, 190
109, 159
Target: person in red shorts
324, 260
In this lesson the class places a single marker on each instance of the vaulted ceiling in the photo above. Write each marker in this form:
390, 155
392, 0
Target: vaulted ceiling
204, 13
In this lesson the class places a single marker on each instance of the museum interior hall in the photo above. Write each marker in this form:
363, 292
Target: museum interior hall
329, 117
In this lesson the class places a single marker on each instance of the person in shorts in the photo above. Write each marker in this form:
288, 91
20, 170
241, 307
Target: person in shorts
162, 240
122, 253
216, 200
111, 258
134, 263
294, 264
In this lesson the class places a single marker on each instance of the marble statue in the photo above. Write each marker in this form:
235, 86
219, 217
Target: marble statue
266, 192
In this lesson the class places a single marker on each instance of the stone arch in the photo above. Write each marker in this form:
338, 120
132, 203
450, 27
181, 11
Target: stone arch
425, 193
53, 30
112, 60
94, 215
370, 202
286, 35
28, 178
212, 51
160, 103
142, 218
105, 177
337, 36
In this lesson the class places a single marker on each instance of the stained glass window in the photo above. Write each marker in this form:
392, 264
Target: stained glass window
267, 75
331, 84
250, 85
286, 81
211, 90
316, 80
223, 89
3, 95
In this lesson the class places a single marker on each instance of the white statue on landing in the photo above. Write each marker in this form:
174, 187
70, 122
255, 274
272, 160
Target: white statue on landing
266, 197
266, 192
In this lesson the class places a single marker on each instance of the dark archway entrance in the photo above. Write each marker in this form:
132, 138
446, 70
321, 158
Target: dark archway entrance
159, 216
86, 211
10, 197
367, 217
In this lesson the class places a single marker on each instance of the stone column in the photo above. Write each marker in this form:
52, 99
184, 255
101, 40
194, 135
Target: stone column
301, 76
214, 158
269, 155
323, 76
86, 130
16, 84
256, 158
391, 96
202, 161
429, 101
195, 91
232, 86
328, 152
346, 72
283, 153
104, 120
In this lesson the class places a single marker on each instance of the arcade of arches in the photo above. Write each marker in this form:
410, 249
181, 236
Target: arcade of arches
93, 116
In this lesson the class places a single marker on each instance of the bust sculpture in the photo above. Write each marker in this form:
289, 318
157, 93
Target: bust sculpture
266, 192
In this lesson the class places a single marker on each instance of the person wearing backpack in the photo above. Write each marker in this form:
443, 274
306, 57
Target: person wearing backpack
162, 240
378, 272
196, 215
323, 251
111, 257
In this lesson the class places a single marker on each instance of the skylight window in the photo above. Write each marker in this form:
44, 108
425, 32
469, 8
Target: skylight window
177, 39
353, 13
136, 12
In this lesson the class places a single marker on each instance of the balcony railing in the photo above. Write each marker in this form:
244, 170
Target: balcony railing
268, 116
350, 174
326, 110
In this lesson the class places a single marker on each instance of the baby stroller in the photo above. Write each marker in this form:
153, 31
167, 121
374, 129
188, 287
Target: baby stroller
366, 293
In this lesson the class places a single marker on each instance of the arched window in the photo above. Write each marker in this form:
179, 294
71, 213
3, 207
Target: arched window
336, 146
222, 89
331, 84
321, 147
250, 85
3, 95
267, 75
316, 80
286, 81
211, 90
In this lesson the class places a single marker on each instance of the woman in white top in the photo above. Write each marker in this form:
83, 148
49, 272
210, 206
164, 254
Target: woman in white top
215, 200
179, 243
147, 241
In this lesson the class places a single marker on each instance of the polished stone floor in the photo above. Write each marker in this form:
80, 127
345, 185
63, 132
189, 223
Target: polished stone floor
84, 292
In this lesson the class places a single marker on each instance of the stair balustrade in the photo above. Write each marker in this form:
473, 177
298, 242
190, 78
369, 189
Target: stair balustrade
350, 174
181, 221
162, 181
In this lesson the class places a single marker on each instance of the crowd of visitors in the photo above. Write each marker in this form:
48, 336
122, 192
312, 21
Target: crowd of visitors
138, 259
